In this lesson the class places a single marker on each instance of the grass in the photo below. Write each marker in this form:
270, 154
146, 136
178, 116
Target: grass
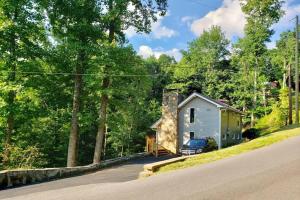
269, 139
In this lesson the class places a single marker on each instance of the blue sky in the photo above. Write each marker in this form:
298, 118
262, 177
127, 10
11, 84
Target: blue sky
186, 19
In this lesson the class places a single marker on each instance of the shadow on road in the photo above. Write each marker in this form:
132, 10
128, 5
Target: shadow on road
124, 172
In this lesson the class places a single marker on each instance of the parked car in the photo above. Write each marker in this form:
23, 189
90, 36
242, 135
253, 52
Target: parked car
193, 146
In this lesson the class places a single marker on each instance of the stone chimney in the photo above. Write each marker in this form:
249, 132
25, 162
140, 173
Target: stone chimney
168, 136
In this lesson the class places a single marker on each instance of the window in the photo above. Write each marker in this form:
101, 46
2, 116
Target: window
238, 123
224, 136
233, 136
192, 135
192, 115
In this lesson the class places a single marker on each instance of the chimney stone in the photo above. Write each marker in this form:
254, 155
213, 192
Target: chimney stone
168, 137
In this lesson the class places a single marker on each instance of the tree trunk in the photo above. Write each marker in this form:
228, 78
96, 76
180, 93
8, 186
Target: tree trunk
73, 139
290, 95
11, 78
102, 121
254, 99
285, 73
10, 117
104, 100
11, 95
265, 101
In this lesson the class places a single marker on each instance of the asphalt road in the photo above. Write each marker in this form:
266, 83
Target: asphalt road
268, 173
121, 173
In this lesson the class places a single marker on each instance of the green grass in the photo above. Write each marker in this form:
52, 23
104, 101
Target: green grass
269, 139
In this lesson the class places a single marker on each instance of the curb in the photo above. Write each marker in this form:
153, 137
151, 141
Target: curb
150, 169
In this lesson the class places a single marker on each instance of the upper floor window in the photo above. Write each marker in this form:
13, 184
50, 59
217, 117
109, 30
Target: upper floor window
192, 115
238, 123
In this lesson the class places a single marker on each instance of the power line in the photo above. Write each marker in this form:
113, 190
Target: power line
82, 74
99, 74
201, 3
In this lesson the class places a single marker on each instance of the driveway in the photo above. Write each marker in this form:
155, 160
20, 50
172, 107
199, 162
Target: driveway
121, 173
269, 173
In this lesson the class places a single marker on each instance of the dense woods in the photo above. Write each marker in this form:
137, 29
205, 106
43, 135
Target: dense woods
75, 92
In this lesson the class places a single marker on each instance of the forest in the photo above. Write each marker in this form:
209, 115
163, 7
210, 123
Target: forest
75, 92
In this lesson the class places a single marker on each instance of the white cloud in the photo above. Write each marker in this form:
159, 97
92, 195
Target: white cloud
285, 23
158, 30
271, 45
290, 12
130, 32
187, 20
232, 20
146, 52
229, 17
130, 7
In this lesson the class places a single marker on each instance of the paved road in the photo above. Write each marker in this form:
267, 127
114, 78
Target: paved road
267, 173
121, 173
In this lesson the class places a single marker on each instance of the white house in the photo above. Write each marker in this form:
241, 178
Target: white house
197, 116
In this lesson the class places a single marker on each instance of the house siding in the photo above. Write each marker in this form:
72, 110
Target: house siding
231, 128
206, 124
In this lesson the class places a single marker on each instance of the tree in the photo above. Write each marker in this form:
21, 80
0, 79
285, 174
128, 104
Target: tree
204, 66
260, 16
283, 56
119, 18
77, 26
21, 38
162, 71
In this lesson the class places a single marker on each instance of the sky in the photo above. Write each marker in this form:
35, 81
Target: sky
186, 20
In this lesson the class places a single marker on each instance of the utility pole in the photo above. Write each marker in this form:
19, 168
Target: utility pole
297, 72
290, 121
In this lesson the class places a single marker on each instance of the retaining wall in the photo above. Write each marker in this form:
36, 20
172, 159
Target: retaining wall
10, 178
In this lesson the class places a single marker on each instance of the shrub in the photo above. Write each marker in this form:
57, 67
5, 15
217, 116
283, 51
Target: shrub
251, 133
211, 145
14, 157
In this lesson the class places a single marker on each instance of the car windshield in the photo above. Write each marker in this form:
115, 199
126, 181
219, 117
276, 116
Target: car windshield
196, 143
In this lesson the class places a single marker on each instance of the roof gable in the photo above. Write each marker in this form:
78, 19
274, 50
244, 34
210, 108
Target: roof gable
156, 124
194, 95
210, 100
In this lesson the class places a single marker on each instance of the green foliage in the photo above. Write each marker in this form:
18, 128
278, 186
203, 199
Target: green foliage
211, 145
20, 158
251, 133
61, 43
277, 118
204, 66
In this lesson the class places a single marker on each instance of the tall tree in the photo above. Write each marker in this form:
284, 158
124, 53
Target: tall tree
204, 66
76, 25
21, 38
119, 17
283, 56
260, 16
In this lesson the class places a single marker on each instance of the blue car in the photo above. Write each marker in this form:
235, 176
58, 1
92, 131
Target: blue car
193, 146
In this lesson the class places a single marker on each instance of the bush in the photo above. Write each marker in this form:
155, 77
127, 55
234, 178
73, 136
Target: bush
14, 157
211, 145
251, 133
